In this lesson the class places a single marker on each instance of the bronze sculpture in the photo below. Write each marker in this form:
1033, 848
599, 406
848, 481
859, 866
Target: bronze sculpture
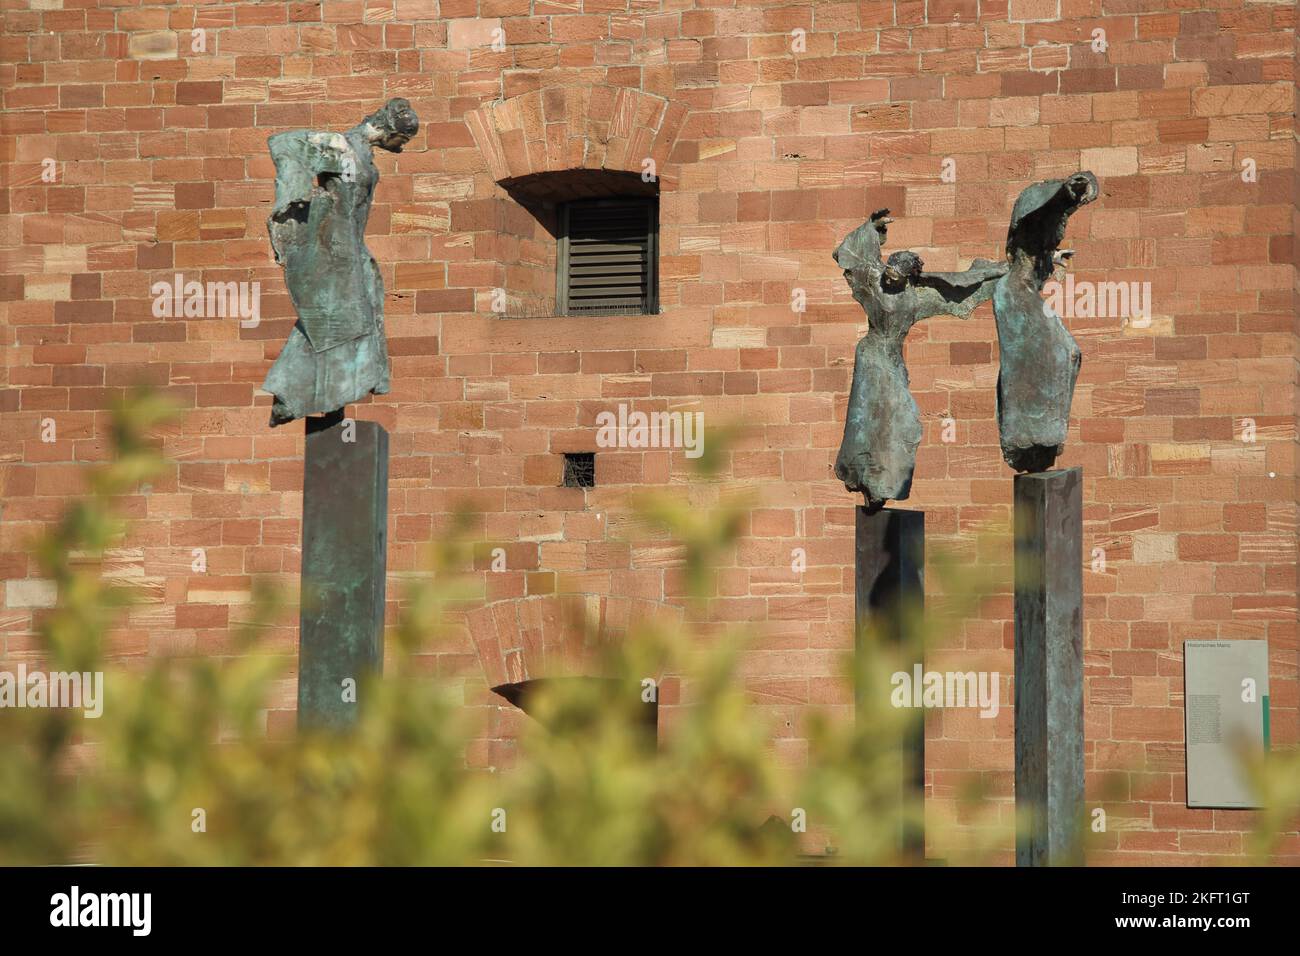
324, 185
883, 426
1039, 359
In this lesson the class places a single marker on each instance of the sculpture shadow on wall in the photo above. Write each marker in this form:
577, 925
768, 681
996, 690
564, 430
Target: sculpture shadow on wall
527, 695
540, 193
898, 582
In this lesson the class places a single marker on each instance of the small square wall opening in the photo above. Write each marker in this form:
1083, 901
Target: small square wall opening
579, 469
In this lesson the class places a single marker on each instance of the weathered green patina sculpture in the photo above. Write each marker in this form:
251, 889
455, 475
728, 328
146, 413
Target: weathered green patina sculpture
883, 427
1039, 358
324, 185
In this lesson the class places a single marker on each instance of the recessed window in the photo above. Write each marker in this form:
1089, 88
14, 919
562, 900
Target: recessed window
607, 259
580, 469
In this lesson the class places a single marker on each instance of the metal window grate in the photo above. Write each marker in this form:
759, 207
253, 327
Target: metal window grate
580, 469
607, 261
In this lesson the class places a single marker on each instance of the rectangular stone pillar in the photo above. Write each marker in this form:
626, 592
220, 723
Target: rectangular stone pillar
1049, 665
344, 560
889, 570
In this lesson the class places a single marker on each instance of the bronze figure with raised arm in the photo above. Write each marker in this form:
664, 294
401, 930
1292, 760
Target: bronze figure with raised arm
882, 429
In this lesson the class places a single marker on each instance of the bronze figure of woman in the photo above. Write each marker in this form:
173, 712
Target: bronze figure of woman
883, 427
324, 185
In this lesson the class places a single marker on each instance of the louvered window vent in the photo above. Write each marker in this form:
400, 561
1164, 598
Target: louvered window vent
607, 260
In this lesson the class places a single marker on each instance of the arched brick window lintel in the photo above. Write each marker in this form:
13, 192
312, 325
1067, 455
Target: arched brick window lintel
548, 636
575, 127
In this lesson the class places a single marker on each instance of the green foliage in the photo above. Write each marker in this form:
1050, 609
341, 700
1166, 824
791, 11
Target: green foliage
1275, 777
180, 770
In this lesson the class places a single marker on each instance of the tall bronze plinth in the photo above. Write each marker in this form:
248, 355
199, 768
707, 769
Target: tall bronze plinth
1049, 666
889, 567
344, 559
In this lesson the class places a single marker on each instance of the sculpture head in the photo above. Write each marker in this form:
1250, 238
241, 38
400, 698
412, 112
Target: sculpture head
900, 269
1082, 187
1039, 218
392, 127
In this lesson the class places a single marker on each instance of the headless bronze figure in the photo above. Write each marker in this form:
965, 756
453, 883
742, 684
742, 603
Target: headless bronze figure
324, 185
1039, 359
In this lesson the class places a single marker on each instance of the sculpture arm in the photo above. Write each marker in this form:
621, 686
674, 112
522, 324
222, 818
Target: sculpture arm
861, 248
859, 256
294, 173
300, 156
958, 293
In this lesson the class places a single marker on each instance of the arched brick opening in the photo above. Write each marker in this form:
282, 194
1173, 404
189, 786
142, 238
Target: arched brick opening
526, 639
575, 127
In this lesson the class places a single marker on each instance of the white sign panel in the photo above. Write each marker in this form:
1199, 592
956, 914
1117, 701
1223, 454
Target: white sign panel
1226, 717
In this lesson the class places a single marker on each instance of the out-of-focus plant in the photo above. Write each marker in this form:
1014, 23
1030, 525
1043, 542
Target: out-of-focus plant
595, 787
38, 747
864, 781
1275, 779
180, 769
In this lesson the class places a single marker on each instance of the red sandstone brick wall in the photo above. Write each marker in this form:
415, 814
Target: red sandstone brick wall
767, 157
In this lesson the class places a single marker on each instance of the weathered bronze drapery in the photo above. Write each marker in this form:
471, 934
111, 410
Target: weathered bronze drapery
1039, 359
324, 185
883, 427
